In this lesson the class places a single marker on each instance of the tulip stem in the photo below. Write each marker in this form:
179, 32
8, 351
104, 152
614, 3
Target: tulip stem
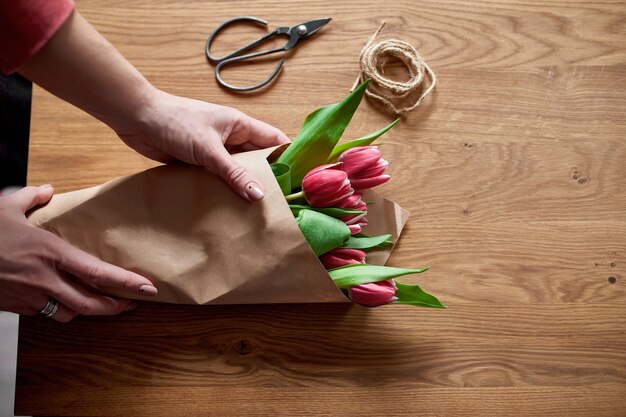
294, 196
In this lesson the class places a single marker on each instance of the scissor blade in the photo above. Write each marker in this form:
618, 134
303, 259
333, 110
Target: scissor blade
313, 26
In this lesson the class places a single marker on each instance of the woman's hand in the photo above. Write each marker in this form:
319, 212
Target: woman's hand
169, 128
36, 265
81, 67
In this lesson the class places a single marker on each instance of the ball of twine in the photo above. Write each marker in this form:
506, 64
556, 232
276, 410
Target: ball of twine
398, 96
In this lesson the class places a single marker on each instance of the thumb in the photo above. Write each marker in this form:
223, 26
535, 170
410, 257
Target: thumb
30, 197
236, 176
264, 135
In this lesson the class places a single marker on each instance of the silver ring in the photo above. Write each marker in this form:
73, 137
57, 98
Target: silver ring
52, 306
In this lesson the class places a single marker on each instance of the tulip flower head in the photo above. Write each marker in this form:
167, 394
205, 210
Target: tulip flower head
355, 222
326, 186
364, 166
341, 257
357, 228
374, 294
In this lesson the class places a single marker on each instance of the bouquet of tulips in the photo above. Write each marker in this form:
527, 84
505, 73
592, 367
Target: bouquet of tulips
323, 182
200, 243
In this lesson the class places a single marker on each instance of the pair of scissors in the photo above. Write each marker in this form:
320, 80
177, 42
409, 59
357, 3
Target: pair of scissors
295, 33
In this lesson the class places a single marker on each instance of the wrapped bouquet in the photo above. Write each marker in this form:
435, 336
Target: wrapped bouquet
327, 180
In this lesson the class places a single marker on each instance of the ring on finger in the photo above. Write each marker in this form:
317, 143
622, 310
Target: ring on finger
51, 307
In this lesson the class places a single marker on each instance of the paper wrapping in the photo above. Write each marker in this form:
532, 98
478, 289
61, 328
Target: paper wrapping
199, 242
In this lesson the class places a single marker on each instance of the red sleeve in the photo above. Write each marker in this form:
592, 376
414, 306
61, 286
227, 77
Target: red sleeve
26, 26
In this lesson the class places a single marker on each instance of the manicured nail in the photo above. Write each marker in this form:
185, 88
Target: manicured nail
148, 290
254, 192
131, 307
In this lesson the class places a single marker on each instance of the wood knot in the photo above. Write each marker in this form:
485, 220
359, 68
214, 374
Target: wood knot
612, 280
243, 347
468, 145
577, 175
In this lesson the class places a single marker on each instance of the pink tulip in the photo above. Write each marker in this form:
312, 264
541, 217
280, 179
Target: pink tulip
340, 257
355, 222
364, 166
326, 186
374, 294
357, 228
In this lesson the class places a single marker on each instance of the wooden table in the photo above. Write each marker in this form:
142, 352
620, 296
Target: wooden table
515, 175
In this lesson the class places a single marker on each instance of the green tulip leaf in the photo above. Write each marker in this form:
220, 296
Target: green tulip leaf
364, 141
283, 176
319, 134
415, 296
384, 245
323, 233
357, 274
366, 242
329, 211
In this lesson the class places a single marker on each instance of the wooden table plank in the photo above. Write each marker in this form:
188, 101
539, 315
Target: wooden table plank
514, 171
432, 402
329, 345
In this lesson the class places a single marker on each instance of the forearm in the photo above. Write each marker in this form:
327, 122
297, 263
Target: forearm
79, 66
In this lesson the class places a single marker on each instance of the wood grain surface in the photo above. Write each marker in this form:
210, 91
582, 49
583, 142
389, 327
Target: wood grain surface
515, 174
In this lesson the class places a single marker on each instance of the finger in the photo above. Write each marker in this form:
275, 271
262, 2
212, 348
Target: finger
9, 190
236, 176
29, 197
64, 314
40, 301
25, 307
23, 310
256, 132
96, 272
87, 303
244, 147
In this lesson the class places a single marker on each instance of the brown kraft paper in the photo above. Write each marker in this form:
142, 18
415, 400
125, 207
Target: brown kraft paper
199, 242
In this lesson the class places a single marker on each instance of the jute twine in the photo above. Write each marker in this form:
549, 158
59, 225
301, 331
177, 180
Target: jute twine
399, 97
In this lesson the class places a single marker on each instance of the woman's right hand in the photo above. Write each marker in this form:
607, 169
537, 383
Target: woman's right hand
36, 265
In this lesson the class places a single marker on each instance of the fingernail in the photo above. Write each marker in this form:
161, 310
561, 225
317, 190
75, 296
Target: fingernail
45, 186
254, 192
131, 307
148, 290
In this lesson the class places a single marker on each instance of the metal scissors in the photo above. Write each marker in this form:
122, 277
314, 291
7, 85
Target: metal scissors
295, 33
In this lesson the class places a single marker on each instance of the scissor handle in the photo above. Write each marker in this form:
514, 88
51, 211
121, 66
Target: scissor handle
261, 22
269, 79
236, 57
